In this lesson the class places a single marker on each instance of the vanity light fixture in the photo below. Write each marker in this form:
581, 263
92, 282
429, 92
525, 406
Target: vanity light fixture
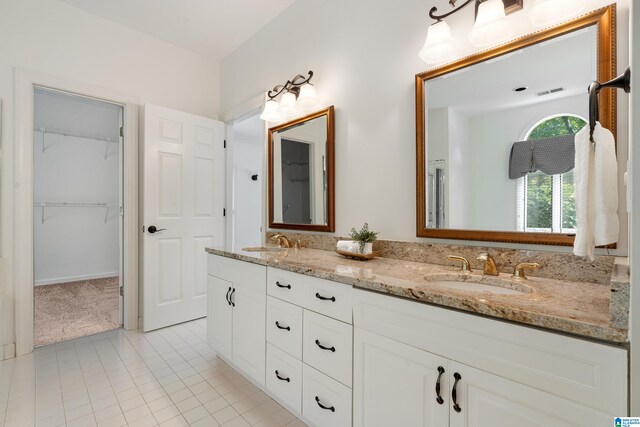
297, 96
546, 13
490, 28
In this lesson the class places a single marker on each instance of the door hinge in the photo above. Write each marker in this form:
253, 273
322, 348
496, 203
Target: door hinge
122, 131
224, 212
121, 291
224, 145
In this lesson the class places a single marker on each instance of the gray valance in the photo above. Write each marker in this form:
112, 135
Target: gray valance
552, 156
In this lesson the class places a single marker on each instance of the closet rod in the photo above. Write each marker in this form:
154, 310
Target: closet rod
58, 132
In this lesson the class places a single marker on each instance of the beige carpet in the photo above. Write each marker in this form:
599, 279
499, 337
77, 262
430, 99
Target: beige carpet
76, 309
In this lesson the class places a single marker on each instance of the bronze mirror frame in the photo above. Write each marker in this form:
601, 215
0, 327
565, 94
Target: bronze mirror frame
330, 225
605, 21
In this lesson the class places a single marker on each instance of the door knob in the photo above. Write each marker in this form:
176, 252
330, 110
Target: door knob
153, 229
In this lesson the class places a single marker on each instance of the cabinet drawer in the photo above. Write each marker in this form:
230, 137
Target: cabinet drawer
285, 285
318, 389
252, 276
284, 326
322, 296
328, 346
284, 377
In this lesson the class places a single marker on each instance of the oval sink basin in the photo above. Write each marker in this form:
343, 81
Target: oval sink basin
477, 287
264, 249
498, 285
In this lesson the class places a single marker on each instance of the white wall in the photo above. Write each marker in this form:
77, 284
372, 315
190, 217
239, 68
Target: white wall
51, 37
247, 194
365, 54
76, 243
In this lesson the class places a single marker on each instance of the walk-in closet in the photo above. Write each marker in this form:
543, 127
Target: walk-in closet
76, 209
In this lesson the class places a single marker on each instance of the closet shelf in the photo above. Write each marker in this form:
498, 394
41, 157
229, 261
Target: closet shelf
45, 205
108, 140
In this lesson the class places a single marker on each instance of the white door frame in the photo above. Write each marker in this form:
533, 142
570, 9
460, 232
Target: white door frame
238, 113
25, 81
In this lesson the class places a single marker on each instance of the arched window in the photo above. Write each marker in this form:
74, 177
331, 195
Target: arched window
546, 203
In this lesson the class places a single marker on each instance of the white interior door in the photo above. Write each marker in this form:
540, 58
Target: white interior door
183, 200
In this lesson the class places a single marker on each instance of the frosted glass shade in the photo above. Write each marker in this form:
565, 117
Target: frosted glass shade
308, 100
491, 25
270, 112
438, 47
546, 13
288, 104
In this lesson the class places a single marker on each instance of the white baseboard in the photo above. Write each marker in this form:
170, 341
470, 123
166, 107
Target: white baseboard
74, 278
8, 351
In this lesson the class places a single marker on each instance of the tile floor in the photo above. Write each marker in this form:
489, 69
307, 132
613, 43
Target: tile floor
169, 377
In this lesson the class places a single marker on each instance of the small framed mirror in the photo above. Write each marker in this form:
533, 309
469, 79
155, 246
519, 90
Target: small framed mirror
486, 122
301, 173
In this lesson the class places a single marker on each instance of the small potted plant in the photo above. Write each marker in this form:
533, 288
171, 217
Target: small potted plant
364, 238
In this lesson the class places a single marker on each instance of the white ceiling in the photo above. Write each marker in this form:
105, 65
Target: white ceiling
213, 28
569, 62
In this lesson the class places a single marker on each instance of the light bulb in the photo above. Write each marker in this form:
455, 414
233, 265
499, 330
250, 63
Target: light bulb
288, 105
308, 100
491, 25
546, 13
438, 47
270, 112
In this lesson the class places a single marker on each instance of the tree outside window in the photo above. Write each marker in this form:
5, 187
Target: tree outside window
548, 201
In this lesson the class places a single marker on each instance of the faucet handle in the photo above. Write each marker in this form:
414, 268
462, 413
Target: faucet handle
518, 272
465, 262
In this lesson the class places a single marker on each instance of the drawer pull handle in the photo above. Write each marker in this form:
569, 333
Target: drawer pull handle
439, 398
282, 327
282, 378
332, 349
231, 297
320, 297
454, 393
283, 286
228, 300
328, 408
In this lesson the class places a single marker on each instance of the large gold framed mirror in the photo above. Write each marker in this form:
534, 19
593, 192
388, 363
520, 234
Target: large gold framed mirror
301, 173
471, 114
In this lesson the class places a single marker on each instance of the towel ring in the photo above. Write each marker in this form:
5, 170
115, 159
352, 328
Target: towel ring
623, 81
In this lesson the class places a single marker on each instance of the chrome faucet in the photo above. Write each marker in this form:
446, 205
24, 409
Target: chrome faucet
490, 267
518, 272
465, 262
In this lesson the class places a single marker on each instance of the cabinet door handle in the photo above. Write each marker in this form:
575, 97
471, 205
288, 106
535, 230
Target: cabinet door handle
332, 349
278, 284
282, 327
282, 378
320, 297
228, 300
454, 392
231, 297
328, 408
439, 398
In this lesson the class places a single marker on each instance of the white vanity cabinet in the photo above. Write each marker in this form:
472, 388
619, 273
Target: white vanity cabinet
236, 311
506, 374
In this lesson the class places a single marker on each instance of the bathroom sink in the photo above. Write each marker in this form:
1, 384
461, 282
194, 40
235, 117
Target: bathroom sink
264, 249
479, 284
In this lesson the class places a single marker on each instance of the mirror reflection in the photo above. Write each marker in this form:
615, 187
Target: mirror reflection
499, 138
301, 173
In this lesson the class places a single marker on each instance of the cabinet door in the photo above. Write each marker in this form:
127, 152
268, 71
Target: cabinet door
395, 384
249, 323
487, 400
219, 316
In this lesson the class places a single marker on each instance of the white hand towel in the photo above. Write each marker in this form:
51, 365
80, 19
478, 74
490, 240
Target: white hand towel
347, 246
596, 191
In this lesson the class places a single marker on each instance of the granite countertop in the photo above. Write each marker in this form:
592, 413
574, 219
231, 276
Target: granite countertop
574, 307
